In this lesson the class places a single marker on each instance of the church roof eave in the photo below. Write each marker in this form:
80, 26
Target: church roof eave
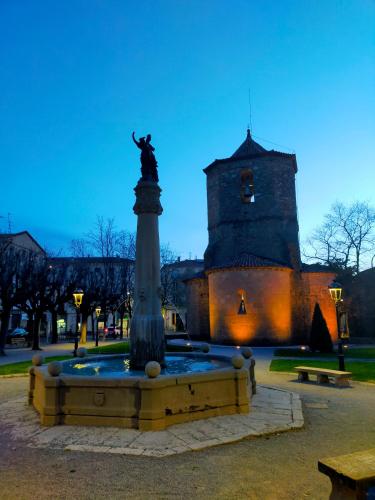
271, 153
249, 150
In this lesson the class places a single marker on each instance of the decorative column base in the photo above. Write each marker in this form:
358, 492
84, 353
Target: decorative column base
147, 340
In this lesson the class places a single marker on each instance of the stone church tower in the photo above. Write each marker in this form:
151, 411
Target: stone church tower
254, 288
252, 206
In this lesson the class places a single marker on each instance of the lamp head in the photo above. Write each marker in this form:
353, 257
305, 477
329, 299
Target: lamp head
335, 291
78, 296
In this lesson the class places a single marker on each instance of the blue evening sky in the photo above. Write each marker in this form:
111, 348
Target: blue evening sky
78, 76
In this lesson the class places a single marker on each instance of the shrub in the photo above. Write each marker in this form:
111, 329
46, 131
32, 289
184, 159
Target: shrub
320, 339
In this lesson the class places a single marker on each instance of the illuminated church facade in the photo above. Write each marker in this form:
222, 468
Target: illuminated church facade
254, 288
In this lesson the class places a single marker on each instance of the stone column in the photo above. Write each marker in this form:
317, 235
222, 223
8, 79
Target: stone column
147, 325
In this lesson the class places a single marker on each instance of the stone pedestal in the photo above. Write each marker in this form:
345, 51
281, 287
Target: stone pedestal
147, 325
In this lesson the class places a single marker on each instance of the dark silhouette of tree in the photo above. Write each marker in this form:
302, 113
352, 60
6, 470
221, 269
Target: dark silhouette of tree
10, 266
125, 275
111, 284
167, 277
320, 339
35, 290
62, 285
346, 239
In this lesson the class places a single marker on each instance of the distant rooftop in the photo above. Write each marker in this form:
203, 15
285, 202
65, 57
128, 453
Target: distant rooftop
91, 260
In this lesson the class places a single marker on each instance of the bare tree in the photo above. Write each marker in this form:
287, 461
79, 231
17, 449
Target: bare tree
90, 279
167, 279
80, 248
345, 238
125, 275
62, 285
34, 293
103, 240
10, 265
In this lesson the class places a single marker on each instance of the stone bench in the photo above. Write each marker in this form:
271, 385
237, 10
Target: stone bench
352, 476
323, 375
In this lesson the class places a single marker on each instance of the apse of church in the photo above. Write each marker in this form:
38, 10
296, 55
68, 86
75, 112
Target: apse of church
253, 255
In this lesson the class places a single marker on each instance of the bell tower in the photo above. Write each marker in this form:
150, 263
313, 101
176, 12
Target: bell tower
252, 207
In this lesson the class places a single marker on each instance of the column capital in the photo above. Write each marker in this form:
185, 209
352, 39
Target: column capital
147, 198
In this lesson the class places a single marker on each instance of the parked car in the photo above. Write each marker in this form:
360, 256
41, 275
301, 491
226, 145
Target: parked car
19, 336
111, 332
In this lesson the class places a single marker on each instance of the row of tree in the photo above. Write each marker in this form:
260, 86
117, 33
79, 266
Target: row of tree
102, 265
30, 282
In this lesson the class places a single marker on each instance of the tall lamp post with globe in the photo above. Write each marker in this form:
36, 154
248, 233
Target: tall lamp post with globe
98, 310
335, 290
77, 296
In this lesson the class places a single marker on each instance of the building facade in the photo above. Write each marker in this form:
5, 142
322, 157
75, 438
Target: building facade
254, 288
174, 291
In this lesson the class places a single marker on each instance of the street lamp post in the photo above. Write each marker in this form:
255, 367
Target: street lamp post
98, 310
78, 296
335, 290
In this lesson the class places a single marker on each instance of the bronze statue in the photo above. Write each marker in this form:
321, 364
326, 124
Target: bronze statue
149, 164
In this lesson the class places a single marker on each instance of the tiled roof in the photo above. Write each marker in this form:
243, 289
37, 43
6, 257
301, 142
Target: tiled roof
248, 147
195, 276
251, 260
317, 268
250, 150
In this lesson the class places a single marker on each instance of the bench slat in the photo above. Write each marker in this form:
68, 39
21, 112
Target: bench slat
358, 466
323, 371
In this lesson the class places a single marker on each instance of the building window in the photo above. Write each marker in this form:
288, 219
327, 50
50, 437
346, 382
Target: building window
247, 187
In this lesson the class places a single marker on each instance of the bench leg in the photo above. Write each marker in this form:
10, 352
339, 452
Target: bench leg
322, 379
341, 491
342, 382
303, 376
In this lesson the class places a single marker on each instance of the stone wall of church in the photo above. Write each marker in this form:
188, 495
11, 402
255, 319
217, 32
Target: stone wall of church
315, 289
198, 322
267, 295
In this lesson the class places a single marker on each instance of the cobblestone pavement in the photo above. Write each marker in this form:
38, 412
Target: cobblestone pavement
273, 410
282, 466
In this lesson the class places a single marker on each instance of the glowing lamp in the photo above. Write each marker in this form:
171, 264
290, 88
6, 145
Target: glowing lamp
242, 308
98, 310
335, 290
78, 296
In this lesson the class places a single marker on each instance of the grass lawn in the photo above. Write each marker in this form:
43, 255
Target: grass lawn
118, 348
355, 352
364, 372
22, 367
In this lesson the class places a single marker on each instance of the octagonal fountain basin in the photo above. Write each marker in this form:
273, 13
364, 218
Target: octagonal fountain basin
104, 391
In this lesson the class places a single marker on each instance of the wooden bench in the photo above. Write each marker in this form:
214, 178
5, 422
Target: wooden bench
352, 476
323, 375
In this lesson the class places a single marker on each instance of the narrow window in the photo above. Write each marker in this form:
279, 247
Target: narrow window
247, 187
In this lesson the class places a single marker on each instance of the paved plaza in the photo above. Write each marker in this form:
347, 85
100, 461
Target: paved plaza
273, 410
278, 466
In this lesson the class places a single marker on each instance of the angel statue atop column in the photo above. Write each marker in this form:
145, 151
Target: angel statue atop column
149, 166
